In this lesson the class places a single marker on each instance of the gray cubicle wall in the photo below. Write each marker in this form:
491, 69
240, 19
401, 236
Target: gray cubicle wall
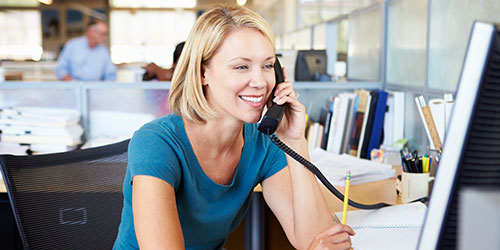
108, 109
420, 49
111, 109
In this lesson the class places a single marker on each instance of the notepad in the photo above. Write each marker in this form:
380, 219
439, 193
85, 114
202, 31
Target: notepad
394, 227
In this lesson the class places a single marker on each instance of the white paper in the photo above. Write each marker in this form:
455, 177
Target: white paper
393, 227
334, 168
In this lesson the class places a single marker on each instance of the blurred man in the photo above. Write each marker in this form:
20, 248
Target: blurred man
86, 58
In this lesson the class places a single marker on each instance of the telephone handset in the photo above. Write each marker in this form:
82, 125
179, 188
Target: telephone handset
268, 126
272, 118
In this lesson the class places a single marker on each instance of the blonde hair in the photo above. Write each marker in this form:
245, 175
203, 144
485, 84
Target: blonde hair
186, 97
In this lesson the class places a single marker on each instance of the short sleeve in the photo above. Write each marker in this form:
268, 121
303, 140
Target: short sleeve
151, 154
275, 161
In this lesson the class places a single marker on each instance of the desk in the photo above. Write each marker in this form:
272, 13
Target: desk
260, 234
368, 193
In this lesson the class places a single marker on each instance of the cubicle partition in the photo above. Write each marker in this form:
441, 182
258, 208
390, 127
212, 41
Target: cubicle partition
116, 110
108, 109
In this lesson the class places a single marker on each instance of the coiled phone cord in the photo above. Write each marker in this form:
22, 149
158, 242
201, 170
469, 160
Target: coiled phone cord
274, 138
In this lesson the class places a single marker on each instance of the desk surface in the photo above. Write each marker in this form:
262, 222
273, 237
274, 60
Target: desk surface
367, 193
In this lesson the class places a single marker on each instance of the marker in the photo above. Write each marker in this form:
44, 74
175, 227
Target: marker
346, 195
429, 164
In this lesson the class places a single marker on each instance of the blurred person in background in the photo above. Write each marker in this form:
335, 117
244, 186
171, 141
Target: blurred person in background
154, 71
86, 58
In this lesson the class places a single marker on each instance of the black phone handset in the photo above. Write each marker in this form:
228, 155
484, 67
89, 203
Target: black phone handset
268, 126
272, 118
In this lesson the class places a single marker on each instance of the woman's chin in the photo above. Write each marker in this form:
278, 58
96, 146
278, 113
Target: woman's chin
254, 119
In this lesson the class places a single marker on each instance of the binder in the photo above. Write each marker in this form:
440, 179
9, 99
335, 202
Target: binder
327, 114
337, 124
368, 126
357, 127
378, 122
394, 117
354, 99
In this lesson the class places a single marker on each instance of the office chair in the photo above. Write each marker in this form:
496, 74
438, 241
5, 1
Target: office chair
69, 200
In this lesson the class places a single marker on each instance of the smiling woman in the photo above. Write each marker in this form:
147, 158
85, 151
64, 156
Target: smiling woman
191, 174
237, 79
187, 76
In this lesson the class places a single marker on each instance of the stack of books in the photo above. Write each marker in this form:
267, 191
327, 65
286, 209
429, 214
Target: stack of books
36, 130
355, 123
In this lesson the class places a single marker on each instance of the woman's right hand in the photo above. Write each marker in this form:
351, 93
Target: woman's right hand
336, 237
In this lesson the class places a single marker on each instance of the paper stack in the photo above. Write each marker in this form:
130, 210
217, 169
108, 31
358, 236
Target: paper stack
40, 130
334, 168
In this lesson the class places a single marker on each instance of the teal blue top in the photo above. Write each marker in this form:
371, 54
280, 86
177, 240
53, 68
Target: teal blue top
208, 211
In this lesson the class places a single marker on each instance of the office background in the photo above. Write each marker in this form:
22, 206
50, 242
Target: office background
415, 46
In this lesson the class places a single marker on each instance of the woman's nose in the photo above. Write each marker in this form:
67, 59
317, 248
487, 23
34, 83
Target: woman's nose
258, 78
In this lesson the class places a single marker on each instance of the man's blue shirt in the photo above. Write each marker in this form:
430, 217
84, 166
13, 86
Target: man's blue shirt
208, 211
83, 63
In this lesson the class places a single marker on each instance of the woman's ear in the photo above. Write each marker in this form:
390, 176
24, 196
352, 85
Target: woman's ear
204, 78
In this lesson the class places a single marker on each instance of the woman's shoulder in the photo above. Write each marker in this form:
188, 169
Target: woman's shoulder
165, 126
165, 122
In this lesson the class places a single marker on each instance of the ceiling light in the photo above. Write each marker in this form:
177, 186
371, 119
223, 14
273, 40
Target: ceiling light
46, 2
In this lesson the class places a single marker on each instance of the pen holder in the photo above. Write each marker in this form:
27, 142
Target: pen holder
414, 186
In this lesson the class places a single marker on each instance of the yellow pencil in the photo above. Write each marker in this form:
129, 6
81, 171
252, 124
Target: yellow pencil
346, 195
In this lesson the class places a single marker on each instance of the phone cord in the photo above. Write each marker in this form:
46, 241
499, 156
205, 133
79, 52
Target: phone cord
274, 138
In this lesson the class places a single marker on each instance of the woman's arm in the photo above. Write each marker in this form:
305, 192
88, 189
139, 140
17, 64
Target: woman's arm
294, 194
156, 221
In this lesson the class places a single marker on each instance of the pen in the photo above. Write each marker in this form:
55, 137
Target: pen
346, 195
417, 165
412, 167
429, 164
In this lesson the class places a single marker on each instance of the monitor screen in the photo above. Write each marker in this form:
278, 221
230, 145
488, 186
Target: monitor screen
310, 65
471, 153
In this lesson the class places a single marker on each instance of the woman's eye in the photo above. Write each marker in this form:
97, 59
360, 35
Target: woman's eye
242, 67
269, 66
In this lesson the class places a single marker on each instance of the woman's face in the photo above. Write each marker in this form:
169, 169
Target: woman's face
240, 76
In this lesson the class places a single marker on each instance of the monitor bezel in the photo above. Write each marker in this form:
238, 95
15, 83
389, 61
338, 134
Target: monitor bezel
469, 86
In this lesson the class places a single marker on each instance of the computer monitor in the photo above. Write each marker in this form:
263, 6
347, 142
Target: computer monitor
310, 65
471, 153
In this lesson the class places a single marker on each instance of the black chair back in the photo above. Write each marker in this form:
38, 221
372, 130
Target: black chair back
69, 200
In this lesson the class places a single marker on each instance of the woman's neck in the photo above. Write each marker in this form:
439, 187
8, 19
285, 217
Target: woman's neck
216, 135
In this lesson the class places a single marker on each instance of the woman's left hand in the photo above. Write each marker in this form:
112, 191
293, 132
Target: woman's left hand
293, 124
